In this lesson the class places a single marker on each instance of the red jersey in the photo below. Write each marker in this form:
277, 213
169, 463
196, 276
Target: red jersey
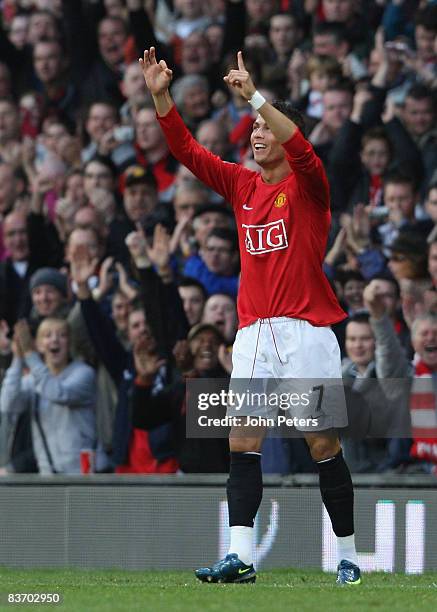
282, 228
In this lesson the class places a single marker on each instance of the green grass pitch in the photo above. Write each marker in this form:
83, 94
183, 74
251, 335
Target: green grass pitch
275, 591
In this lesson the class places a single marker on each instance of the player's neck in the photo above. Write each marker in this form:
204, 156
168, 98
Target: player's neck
275, 174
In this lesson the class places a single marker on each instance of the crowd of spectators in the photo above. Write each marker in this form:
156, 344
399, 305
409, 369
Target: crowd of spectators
119, 270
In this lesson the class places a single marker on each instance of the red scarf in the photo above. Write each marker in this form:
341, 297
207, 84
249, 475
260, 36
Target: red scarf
423, 415
375, 190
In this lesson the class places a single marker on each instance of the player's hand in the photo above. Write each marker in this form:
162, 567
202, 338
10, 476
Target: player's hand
157, 75
240, 79
373, 299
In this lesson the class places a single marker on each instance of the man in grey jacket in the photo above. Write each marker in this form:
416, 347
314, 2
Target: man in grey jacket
60, 393
372, 370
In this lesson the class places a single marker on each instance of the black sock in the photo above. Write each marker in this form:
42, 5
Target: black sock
244, 488
337, 494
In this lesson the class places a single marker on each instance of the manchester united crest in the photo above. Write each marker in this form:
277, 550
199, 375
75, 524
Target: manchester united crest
280, 201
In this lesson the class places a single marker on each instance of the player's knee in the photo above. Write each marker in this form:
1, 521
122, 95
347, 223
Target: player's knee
244, 445
323, 448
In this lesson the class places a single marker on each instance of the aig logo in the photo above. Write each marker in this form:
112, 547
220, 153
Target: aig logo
265, 238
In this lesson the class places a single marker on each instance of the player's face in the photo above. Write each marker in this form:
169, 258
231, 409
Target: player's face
360, 343
424, 342
267, 151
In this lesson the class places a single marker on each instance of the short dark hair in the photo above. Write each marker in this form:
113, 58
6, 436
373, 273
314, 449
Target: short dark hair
344, 276
396, 177
331, 28
105, 161
224, 233
420, 92
359, 317
189, 281
344, 85
287, 109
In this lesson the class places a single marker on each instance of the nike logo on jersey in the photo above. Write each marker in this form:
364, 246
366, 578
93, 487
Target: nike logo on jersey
246, 207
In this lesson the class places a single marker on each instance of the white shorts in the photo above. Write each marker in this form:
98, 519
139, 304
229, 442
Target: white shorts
282, 347
280, 357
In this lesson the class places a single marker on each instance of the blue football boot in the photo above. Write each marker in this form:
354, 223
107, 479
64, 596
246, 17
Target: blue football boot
229, 569
348, 573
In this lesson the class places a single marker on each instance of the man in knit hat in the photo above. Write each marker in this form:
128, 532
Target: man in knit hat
48, 291
48, 288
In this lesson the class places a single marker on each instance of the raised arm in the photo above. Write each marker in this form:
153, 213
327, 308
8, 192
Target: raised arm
300, 154
99, 326
158, 77
219, 175
281, 126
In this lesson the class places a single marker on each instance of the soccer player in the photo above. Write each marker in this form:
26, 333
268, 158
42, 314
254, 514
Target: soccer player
285, 303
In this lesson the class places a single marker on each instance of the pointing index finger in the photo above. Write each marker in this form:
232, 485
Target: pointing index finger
241, 65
